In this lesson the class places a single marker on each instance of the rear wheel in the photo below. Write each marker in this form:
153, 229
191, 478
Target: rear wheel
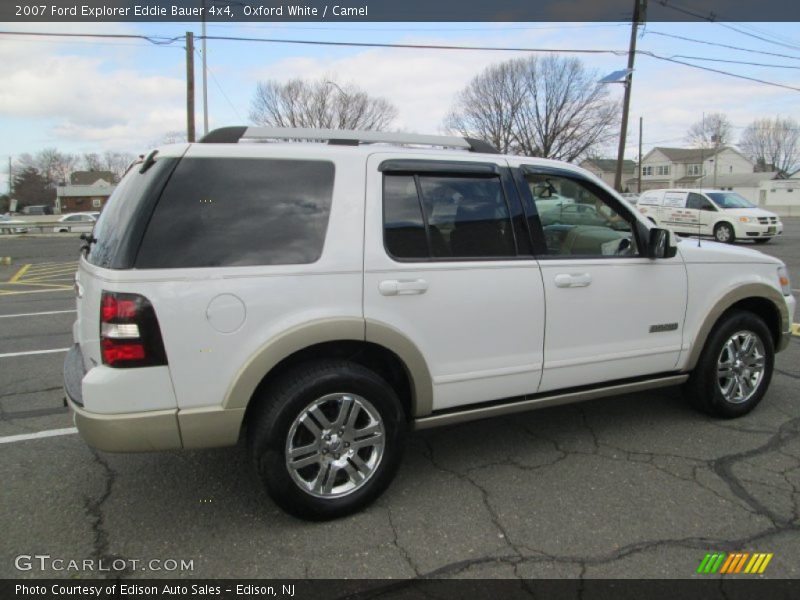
327, 439
723, 232
735, 367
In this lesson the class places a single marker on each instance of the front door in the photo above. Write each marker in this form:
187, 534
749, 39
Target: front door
611, 312
448, 265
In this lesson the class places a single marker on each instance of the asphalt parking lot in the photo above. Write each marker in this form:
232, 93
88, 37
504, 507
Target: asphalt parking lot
632, 486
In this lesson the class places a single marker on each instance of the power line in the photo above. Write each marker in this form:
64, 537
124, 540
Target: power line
736, 62
706, 42
221, 91
721, 72
713, 18
156, 40
410, 46
168, 40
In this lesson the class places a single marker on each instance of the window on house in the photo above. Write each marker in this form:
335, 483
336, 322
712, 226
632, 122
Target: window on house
647, 170
96, 203
662, 170
695, 170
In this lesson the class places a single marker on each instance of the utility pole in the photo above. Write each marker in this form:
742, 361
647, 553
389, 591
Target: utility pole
639, 9
10, 178
205, 73
189, 86
715, 139
639, 183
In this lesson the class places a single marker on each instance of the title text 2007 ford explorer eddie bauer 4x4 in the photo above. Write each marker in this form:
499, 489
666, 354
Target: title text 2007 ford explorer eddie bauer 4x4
323, 299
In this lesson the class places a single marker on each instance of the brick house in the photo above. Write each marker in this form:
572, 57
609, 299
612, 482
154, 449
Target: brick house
88, 191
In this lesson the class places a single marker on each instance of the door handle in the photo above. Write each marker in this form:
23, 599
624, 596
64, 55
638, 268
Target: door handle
573, 280
402, 287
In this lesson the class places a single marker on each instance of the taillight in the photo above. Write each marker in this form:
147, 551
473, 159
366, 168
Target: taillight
129, 332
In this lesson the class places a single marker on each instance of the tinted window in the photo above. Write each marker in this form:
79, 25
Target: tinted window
464, 217
467, 217
580, 220
239, 211
698, 202
119, 227
730, 200
404, 229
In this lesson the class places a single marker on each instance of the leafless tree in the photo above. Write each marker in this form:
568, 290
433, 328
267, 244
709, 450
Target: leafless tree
550, 107
713, 130
772, 144
319, 104
51, 164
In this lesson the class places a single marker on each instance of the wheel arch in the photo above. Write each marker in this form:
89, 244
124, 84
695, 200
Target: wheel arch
758, 298
373, 345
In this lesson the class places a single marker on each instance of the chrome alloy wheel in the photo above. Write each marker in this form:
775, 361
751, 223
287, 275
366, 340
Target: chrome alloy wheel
741, 366
335, 445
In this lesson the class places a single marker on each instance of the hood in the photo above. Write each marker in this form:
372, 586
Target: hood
721, 253
749, 212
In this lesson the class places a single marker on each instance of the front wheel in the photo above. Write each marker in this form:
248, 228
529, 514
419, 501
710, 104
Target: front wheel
327, 438
735, 367
724, 233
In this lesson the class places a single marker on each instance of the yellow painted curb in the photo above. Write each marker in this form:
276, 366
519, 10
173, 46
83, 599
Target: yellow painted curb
796, 329
19, 274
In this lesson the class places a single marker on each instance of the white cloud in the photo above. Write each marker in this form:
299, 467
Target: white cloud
95, 100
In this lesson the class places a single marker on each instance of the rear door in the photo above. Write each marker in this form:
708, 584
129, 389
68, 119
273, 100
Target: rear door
449, 265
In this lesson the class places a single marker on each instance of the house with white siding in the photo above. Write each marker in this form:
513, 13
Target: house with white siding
685, 167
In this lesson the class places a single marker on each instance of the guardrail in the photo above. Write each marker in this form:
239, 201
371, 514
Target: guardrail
30, 227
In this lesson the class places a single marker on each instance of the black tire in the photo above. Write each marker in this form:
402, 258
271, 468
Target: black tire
703, 388
284, 401
762, 240
724, 233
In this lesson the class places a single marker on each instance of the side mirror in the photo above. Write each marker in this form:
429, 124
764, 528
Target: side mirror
659, 244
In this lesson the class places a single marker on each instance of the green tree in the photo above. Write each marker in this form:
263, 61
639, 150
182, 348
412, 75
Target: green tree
30, 187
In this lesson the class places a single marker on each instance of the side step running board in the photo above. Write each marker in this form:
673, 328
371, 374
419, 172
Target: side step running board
507, 408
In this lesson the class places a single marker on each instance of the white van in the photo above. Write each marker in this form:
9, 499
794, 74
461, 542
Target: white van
725, 215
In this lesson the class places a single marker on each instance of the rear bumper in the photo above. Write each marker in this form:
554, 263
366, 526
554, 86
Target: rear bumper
132, 432
145, 430
125, 432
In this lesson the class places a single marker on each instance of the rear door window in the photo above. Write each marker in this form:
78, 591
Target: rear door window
240, 211
445, 217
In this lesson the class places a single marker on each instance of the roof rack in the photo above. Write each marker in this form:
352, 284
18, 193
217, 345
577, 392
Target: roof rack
232, 135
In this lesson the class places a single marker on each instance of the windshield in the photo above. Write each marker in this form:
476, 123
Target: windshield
730, 200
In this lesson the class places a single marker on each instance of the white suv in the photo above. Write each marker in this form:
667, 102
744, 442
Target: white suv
321, 300
725, 215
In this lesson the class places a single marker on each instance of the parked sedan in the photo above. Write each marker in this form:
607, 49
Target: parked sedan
81, 222
9, 225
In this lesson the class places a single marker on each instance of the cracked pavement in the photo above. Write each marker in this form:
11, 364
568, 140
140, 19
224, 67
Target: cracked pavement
631, 486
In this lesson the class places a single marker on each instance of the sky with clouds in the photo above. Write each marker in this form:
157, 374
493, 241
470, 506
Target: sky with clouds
90, 96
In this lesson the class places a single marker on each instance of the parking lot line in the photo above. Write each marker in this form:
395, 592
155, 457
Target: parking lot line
18, 292
32, 352
10, 439
36, 314
19, 273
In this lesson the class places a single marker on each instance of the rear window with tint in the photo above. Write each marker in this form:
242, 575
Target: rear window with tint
119, 229
240, 211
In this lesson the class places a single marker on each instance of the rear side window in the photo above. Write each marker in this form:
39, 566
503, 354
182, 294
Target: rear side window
446, 217
240, 211
120, 227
